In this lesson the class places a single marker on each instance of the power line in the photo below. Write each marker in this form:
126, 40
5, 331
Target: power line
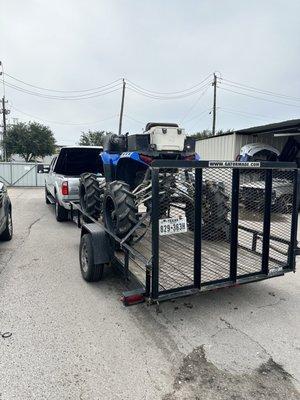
243, 112
62, 122
79, 97
198, 115
167, 97
194, 104
64, 91
259, 98
254, 89
243, 115
201, 116
167, 93
134, 119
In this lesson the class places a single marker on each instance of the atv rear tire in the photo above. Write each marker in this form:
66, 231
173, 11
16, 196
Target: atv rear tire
215, 224
119, 209
91, 195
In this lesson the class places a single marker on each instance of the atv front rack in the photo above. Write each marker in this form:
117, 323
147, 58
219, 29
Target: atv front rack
169, 253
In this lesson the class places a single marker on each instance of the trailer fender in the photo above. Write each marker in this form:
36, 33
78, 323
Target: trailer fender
102, 245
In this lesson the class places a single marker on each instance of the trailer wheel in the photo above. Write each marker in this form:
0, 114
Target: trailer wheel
119, 209
91, 195
90, 271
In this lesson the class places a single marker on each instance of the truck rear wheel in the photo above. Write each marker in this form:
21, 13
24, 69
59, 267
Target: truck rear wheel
91, 195
61, 213
90, 271
46, 196
119, 209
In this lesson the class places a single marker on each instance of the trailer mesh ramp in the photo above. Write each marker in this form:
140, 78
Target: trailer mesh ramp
216, 226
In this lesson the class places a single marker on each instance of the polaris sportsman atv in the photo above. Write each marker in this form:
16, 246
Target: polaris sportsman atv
124, 186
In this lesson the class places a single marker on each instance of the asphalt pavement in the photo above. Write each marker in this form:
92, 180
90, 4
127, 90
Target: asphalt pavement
74, 340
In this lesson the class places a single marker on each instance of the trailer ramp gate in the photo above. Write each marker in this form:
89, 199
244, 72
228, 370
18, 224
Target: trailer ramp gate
213, 225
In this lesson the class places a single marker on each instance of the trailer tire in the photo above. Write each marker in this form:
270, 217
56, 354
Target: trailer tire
119, 208
90, 271
215, 224
91, 195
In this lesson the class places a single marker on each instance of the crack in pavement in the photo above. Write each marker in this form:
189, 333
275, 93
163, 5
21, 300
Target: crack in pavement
32, 224
230, 326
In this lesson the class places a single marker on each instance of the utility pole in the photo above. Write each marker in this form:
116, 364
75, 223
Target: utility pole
4, 112
122, 107
214, 84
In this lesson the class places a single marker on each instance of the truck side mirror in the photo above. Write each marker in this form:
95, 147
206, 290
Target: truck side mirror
43, 169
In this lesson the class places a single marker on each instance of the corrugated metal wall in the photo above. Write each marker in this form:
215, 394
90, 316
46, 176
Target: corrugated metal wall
21, 174
277, 142
227, 147
217, 148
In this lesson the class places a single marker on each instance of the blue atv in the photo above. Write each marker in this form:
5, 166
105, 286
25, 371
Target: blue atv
124, 185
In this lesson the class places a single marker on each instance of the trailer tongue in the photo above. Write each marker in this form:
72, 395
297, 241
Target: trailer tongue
168, 252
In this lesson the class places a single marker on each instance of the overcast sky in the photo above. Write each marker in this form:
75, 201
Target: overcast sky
163, 46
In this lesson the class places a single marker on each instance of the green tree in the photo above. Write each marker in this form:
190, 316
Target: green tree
92, 138
29, 140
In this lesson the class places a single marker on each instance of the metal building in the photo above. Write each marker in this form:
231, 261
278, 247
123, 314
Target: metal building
227, 146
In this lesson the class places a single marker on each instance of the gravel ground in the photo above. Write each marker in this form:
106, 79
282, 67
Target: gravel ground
73, 340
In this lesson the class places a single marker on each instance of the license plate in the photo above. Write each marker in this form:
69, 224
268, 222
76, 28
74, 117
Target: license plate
170, 226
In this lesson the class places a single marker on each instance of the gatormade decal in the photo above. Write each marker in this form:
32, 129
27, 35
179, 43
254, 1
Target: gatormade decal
230, 164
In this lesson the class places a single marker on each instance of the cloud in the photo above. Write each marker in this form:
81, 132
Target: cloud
163, 46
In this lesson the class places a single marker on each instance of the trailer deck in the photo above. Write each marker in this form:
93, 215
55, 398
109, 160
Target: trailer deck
176, 255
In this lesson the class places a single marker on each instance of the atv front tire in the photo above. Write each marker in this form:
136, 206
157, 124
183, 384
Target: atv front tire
91, 195
119, 209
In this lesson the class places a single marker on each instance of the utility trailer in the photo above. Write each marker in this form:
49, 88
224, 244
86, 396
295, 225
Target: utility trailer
168, 254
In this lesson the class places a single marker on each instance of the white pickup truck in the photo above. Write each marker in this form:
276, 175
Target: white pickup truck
62, 181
